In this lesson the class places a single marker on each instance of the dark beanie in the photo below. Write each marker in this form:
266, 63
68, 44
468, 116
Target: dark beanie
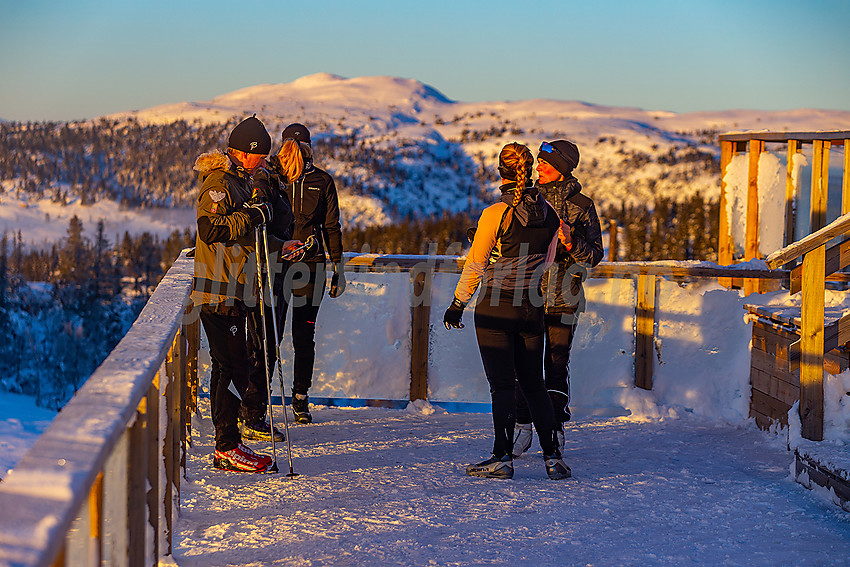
251, 137
297, 132
560, 154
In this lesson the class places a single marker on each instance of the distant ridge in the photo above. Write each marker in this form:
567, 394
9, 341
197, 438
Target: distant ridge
399, 148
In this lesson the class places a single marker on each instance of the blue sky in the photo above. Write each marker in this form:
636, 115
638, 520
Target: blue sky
65, 60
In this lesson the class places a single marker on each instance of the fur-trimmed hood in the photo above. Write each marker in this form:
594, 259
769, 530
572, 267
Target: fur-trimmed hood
212, 161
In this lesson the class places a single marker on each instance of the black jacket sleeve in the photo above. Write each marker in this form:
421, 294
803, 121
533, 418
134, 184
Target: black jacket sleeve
587, 239
267, 183
331, 227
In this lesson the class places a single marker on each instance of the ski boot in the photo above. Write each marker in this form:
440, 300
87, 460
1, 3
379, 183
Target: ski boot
494, 467
523, 434
560, 438
300, 408
261, 431
241, 459
556, 468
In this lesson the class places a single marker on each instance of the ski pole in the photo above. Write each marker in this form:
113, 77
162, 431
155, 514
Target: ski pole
291, 474
262, 302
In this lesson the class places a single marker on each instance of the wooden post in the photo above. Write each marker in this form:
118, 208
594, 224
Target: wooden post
96, 518
612, 241
751, 244
171, 461
724, 239
420, 322
811, 344
644, 331
154, 452
177, 411
116, 498
137, 473
790, 192
820, 185
192, 332
845, 188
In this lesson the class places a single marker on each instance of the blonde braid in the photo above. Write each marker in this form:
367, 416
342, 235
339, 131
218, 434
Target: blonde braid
518, 158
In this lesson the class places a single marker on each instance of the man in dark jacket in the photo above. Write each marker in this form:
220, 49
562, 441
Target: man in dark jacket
580, 247
224, 258
315, 205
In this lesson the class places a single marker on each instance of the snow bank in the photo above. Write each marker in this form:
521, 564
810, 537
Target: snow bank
701, 367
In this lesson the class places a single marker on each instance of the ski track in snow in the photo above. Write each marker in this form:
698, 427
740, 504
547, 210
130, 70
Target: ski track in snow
387, 487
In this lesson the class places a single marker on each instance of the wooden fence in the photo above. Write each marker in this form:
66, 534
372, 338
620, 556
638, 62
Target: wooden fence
645, 275
102, 484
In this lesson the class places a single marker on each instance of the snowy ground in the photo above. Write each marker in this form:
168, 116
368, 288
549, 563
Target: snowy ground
21, 422
387, 487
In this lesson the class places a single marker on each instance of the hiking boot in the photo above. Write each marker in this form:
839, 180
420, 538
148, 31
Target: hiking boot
241, 459
300, 408
244, 448
556, 468
494, 467
261, 431
523, 434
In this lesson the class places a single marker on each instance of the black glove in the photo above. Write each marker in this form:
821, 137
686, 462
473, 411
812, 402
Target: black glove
470, 233
337, 281
453, 314
259, 210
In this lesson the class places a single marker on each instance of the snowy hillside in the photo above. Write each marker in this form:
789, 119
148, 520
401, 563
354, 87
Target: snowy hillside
397, 148
627, 153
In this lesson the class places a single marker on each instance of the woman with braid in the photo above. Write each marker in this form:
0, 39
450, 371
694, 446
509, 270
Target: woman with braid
514, 243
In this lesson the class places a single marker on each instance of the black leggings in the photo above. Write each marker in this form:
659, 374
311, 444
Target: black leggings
308, 281
510, 339
305, 302
560, 331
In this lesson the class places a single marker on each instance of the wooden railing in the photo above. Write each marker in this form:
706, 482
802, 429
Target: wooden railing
102, 484
813, 334
645, 275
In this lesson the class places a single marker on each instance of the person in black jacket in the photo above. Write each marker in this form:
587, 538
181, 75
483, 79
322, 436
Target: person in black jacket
578, 248
312, 193
515, 240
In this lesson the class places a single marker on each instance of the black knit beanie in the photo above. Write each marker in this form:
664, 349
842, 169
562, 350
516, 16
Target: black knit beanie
297, 132
560, 154
251, 137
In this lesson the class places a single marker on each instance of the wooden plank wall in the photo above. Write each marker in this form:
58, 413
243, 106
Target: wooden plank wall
774, 387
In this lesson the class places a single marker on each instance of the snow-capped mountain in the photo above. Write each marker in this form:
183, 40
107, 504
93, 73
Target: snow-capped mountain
396, 147
626, 153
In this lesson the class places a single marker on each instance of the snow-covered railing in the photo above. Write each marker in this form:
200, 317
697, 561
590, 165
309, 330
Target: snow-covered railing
101, 485
423, 268
813, 331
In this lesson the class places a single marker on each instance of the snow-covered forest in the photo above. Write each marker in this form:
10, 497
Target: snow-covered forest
62, 310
